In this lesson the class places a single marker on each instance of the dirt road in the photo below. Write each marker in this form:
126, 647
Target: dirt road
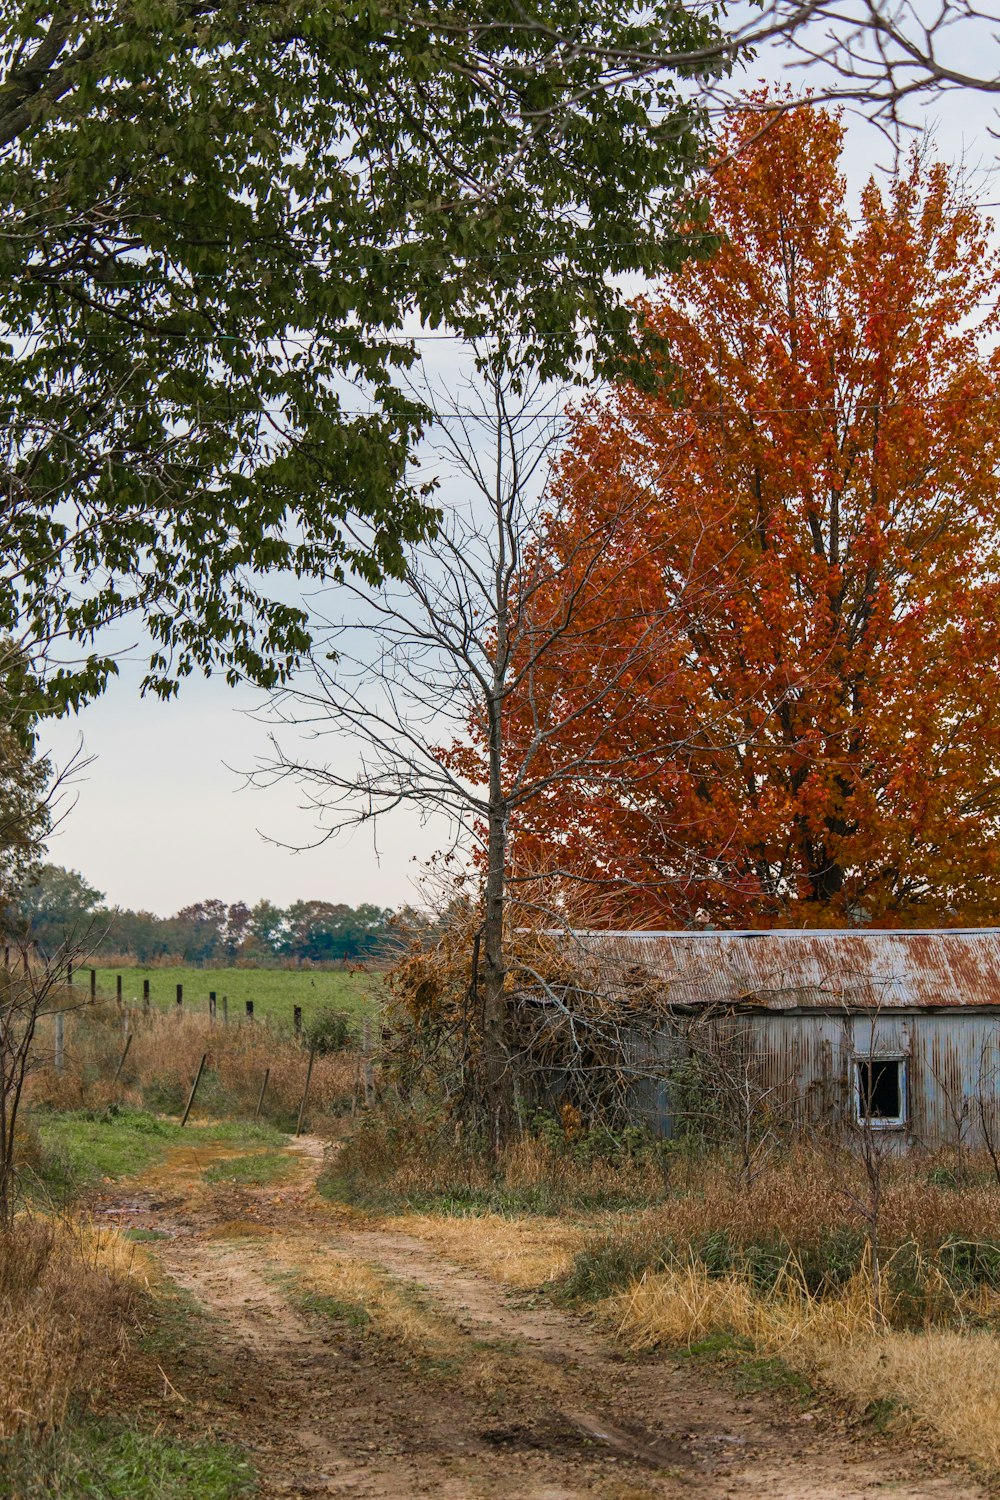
353, 1360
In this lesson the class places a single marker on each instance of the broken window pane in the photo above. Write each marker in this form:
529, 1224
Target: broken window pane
880, 1091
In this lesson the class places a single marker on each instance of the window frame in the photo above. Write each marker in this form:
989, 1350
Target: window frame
881, 1122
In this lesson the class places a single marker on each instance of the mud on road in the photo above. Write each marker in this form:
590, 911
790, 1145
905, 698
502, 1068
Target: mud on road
352, 1359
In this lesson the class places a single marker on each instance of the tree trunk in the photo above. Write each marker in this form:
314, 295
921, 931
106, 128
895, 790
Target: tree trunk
496, 1077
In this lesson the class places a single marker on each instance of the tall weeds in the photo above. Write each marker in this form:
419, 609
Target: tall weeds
163, 1057
66, 1296
396, 1160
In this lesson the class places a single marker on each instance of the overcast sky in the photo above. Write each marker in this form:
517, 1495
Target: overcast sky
162, 815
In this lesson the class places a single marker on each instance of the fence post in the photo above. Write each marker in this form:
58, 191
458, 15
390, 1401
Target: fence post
211, 1007
180, 994
69, 973
249, 1010
225, 1010
305, 1091
368, 1073
121, 1060
118, 990
60, 1053
194, 1087
93, 985
145, 995
297, 1016
260, 1100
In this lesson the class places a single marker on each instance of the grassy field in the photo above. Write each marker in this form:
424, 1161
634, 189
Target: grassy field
274, 992
80, 1148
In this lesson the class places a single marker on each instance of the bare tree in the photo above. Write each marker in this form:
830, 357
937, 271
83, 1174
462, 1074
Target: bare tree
28, 992
876, 1149
424, 675
986, 1100
888, 61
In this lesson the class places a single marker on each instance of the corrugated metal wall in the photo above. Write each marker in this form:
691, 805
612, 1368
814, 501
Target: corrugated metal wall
801, 1067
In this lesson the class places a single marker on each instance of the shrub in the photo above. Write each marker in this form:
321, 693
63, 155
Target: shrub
163, 1058
330, 1030
398, 1159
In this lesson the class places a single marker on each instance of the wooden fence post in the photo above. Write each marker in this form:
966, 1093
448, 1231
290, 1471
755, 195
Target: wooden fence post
211, 1007
118, 990
260, 1099
121, 1060
297, 1018
305, 1091
368, 1073
249, 1010
194, 1087
69, 973
93, 985
225, 1010
59, 1051
145, 995
180, 994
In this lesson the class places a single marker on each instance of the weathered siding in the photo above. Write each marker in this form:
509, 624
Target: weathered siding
802, 1066
800, 1006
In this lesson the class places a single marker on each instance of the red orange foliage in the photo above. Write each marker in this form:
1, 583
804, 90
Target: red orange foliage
816, 737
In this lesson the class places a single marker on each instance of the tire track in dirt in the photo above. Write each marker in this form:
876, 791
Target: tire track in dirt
531, 1405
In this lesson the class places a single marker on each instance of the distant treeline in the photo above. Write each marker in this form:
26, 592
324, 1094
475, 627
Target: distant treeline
60, 907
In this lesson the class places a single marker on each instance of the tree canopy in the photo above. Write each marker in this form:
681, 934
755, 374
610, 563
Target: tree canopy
59, 907
25, 777
222, 224
816, 738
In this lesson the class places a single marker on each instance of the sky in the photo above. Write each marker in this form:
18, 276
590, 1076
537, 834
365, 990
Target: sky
163, 816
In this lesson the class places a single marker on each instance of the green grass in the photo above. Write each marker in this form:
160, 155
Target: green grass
81, 1147
750, 1372
319, 1304
250, 1171
274, 992
114, 1460
354, 1314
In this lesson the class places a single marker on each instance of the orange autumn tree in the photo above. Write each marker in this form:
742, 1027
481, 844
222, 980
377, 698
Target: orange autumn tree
818, 739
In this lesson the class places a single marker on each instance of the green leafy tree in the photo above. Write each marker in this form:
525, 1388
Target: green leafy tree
59, 907
197, 933
266, 931
326, 932
25, 778
322, 931
237, 928
142, 934
219, 222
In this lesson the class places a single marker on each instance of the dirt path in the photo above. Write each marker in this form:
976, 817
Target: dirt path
449, 1386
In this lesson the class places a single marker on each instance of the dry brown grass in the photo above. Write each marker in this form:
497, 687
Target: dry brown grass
518, 1252
807, 1206
806, 1192
163, 1059
357, 1286
400, 1161
946, 1381
399, 1314
66, 1293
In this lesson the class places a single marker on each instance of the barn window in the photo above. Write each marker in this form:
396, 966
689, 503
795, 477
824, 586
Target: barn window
881, 1090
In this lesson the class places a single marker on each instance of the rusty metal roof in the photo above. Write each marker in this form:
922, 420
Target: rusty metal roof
785, 969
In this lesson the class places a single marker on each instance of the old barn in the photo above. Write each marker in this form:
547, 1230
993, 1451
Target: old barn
899, 1030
